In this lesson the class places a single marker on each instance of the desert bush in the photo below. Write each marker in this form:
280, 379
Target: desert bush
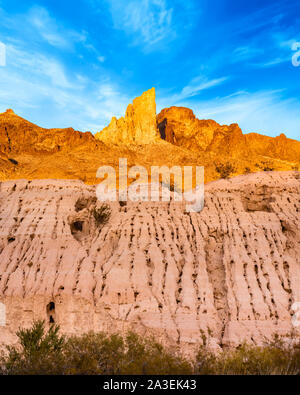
265, 166
38, 352
112, 354
146, 356
94, 354
102, 214
225, 169
275, 357
41, 351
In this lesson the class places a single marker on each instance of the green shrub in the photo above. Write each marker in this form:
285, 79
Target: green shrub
42, 352
102, 214
94, 354
275, 357
90, 354
38, 351
114, 355
225, 169
265, 166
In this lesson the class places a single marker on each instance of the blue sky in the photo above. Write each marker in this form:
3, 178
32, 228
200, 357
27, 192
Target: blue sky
79, 63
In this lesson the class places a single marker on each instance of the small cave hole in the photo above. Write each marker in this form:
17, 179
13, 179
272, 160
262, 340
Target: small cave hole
78, 226
162, 129
51, 312
13, 161
51, 306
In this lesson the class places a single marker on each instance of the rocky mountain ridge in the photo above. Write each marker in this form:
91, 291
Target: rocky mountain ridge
173, 137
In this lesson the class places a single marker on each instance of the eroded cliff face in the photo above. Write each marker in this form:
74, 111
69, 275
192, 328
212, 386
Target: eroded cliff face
232, 271
138, 126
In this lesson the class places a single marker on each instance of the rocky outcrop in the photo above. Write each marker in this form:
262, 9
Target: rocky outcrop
20, 136
279, 147
174, 138
138, 126
231, 271
179, 126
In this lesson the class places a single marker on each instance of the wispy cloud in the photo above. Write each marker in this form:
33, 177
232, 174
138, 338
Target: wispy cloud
40, 26
199, 84
263, 37
193, 89
33, 63
240, 54
151, 24
36, 82
47, 27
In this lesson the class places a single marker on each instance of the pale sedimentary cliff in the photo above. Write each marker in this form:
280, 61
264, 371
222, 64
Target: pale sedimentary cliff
232, 270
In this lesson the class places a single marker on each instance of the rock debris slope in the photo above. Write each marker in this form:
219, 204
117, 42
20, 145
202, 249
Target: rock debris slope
232, 271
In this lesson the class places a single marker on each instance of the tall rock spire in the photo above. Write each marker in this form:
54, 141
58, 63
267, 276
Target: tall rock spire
137, 127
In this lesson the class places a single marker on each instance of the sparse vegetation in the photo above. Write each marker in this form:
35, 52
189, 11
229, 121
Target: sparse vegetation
268, 168
225, 169
42, 351
38, 352
46, 352
265, 166
102, 214
275, 357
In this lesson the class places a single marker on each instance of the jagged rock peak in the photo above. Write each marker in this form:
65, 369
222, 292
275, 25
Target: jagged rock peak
137, 127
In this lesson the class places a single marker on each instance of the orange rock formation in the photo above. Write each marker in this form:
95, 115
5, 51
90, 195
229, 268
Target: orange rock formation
173, 137
138, 126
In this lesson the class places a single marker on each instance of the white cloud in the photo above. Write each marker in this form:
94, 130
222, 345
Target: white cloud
150, 20
48, 28
242, 53
151, 24
38, 26
274, 62
199, 84
38, 85
194, 88
32, 63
